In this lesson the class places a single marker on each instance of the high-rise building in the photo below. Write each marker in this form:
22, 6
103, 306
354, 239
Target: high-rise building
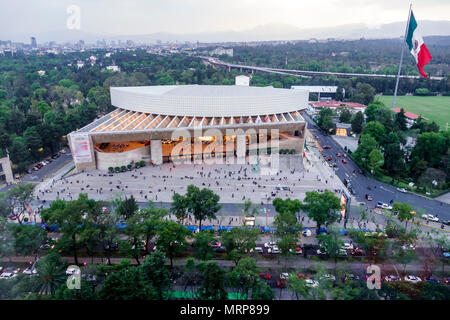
33, 43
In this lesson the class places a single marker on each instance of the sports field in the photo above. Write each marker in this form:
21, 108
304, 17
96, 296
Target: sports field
432, 108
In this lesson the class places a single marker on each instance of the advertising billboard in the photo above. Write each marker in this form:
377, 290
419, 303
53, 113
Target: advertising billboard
80, 148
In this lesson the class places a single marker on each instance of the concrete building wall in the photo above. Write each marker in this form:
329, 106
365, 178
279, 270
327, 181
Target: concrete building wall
80, 166
156, 151
118, 159
6, 170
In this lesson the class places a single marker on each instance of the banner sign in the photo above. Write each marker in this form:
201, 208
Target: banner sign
80, 148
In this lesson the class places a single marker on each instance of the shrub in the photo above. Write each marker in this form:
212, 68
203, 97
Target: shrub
123, 168
117, 169
110, 169
292, 151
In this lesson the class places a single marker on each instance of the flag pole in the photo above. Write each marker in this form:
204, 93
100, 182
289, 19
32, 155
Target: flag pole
401, 58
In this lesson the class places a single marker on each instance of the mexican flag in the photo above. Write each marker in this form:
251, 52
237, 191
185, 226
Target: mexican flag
416, 45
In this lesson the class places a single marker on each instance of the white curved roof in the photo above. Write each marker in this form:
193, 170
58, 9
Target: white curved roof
208, 101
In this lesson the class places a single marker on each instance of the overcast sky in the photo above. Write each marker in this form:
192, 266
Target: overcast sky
122, 17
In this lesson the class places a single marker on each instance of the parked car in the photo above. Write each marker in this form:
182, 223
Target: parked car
296, 250
30, 271
269, 244
446, 222
259, 249
357, 252
326, 147
71, 270
413, 279
344, 161
311, 283
383, 206
392, 278
347, 246
432, 279
284, 275
328, 277
8, 275
265, 275
274, 250
351, 276
402, 190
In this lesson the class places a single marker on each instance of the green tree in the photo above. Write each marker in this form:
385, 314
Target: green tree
171, 239
127, 283
156, 273
322, 207
244, 276
201, 203
239, 241
332, 244
51, 271
19, 199
28, 239
404, 212
376, 160
213, 284
202, 244
127, 208
400, 120
357, 122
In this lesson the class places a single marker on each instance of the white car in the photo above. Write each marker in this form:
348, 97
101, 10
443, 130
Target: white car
311, 283
402, 190
347, 246
384, 206
430, 217
259, 249
8, 275
30, 271
284, 275
328, 276
413, 279
410, 247
274, 249
307, 233
269, 244
392, 278
72, 270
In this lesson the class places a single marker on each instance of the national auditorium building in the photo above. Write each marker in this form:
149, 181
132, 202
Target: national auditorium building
147, 121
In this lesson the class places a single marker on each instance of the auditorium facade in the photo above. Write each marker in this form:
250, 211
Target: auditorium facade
191, 123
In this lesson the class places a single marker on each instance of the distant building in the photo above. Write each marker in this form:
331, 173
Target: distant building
410, 117
343, 129
41, 73
33, 43
80, 64
242, 80
353, 106
327, 91
221, 51
113, 68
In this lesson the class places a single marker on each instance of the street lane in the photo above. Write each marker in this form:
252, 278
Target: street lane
378, 190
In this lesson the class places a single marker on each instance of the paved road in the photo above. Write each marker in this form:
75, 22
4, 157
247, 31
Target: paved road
44, 172
379, 191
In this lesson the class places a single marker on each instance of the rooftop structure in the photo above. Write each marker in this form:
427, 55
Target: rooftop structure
146, 116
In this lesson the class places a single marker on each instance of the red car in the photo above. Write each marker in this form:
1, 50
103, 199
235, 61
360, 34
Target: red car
281, 283
265, 276
357, 252
302, 275
344, 161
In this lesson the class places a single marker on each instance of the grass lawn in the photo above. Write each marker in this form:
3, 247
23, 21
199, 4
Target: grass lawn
432, 108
